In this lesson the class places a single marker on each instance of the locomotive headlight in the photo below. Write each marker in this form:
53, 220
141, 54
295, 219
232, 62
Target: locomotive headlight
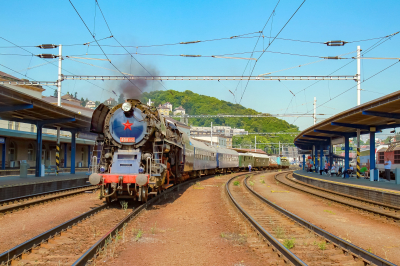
126, 107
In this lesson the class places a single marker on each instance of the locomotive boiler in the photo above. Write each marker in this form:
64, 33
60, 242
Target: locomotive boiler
138, 153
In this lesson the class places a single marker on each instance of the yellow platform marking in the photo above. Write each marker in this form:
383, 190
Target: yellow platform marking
353, 185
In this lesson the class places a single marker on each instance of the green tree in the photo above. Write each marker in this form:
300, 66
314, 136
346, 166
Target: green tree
97, 103
55, 93
76, 95
196, 104
121, 98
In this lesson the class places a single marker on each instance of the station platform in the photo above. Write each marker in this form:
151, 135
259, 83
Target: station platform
7, 181
381, 185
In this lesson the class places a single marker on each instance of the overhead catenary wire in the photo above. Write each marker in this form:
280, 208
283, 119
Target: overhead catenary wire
122, 45
378, 43
261, 34
63, 69
25, 76
101, 47
239, 36
352, 87
287, 22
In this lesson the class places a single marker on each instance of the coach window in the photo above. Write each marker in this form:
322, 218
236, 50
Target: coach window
397, 156
381, 157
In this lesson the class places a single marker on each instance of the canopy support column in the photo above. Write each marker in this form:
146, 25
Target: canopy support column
372, 157
38, 169
3, 155
321, 158
304, 161
65, 154
73, 151
88, 156
346, 154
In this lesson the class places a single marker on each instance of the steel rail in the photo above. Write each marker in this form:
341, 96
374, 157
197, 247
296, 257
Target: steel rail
355, 251
274, 242
15, 252
5, 201
21, 205
92, 252
394, 217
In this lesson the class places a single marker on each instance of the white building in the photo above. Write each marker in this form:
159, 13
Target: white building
168, 105
91, 105
179, 111
217, 141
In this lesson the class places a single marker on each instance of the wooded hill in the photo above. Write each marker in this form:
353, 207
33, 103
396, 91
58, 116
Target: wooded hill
196, 104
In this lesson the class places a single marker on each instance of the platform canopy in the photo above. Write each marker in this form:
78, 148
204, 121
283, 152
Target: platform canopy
369, 117
21, 107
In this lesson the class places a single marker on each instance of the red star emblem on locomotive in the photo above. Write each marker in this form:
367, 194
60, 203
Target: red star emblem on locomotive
127, 125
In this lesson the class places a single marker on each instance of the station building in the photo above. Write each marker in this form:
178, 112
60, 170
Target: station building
19, 140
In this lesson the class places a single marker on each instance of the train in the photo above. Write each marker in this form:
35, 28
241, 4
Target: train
139, 153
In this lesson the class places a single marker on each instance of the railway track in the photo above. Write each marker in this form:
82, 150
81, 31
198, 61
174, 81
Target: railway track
294, 239
21, 203
377, 209
81, 239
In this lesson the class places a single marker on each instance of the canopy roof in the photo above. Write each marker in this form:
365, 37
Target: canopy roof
21, 107
372, 116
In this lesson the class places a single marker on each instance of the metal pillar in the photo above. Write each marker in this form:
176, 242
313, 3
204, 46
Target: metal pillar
313, 155
211, 135
3, 154
65, 154
346, 153
316, 159
59, 104
58, 151
304, 161
315, 110
88, 156
358, 75
330, 153
321, 157
38, 170
372, 155
73, 151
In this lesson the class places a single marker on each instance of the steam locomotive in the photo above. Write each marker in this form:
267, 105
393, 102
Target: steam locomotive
140, 153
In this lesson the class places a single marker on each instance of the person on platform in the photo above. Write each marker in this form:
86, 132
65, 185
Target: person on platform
364, 171
249, 167
388, 166
326, 167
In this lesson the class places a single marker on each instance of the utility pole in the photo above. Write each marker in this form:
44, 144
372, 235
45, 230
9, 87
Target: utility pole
59, 104
315, 110
358, 103
255, 143
211, 135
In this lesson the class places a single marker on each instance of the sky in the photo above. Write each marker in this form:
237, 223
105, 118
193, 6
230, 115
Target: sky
144, 27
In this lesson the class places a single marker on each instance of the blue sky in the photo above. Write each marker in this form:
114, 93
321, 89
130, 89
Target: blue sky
141, 23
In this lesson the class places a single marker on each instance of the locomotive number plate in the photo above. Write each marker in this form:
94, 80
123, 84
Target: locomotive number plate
127, 139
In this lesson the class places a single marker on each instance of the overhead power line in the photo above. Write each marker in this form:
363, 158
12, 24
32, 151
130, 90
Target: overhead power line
100, 46
206, 78
235, 37
101, 11
287, 22
63, 69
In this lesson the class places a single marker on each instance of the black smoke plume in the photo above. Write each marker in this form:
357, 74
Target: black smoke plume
133, 89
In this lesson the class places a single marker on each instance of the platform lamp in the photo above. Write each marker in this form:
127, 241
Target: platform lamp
59, 80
